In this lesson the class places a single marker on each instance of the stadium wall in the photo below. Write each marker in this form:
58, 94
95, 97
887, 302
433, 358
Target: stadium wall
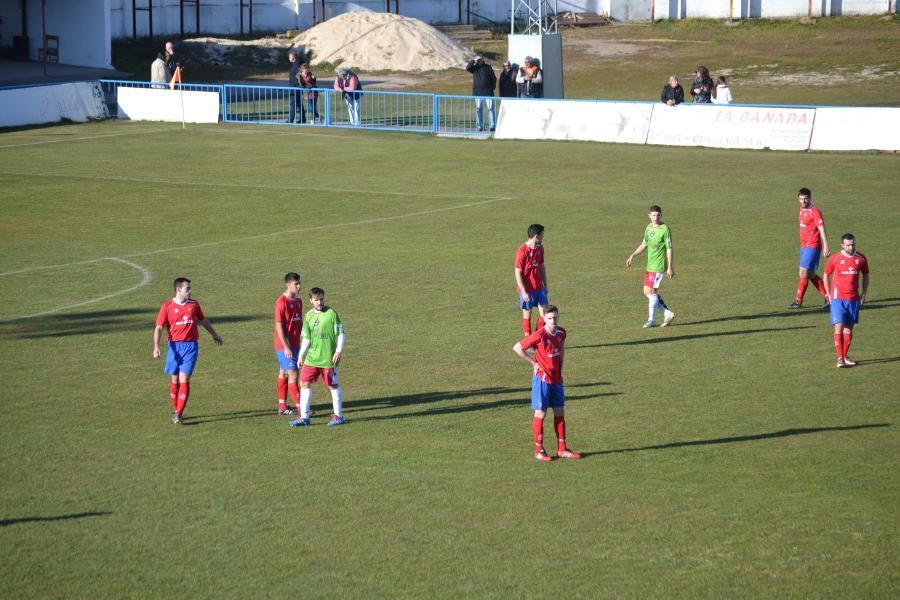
83, 29
223, 16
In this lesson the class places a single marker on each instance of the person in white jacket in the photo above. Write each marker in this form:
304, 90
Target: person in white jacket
159, 71
722, 93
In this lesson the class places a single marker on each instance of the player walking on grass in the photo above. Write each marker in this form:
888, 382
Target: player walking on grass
846, 267
320, 353
531, 277
813, 243
288, 323
658, 243
547, 384
180, 316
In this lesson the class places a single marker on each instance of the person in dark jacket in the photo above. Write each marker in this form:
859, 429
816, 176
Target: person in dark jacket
296, 97
483, 83
672, 94
173, 60
507, 83
701, 88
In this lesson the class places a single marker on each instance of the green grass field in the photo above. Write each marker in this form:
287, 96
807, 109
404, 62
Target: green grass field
726, 456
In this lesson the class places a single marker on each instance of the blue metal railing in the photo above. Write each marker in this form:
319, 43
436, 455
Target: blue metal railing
325, 107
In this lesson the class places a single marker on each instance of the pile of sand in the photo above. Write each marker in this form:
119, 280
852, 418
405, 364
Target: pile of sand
382, 42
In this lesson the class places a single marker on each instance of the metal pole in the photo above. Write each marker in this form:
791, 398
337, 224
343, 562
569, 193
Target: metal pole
809, 10
134, 19
150, 12
730, 12
44, 31
652, 11
198, 17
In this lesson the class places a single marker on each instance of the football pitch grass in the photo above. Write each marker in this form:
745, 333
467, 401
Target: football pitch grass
726, 455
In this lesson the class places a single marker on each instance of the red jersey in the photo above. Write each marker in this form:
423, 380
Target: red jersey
548, 353
810, 221
530, 261
289, 312
846, 270
181, 320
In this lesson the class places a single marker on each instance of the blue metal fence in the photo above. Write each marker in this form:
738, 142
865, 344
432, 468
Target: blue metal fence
325, 107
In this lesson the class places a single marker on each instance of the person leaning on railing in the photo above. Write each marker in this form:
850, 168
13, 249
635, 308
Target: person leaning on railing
348, 84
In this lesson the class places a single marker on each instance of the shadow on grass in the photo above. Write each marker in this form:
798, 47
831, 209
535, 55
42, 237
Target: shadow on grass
93, 322
741, 438
8, 522
869, 305
521, 399
696, 336
242, 414
877, 361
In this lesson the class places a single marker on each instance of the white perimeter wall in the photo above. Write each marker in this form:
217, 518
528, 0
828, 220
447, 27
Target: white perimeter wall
222, 16
82, 28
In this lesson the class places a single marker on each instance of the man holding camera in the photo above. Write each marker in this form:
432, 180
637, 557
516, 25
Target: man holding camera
483, 83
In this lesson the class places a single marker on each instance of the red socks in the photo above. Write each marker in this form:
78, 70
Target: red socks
820, 285
801, 289
559, 424
294, 391
839, 345
537, 427
173, 394
848, 337
184, 390
526, 326
281, 390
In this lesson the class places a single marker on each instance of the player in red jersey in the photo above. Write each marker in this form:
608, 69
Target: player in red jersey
288, 323
531, 277
547, 384
180, 316
813, 243
842, 275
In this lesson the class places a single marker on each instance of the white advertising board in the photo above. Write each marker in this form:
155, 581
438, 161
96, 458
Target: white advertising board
731, 126
78, 102
845, 128
147, 104
623, 122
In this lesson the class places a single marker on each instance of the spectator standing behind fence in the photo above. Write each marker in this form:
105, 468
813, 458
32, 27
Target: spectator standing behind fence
507, 86
530, 80
702, 86
296, 97
721, 94
483, 83
672, 93
159, 71
308, 82
348, 84
173, 60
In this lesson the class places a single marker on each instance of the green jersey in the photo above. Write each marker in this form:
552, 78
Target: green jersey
657, 240
322, 330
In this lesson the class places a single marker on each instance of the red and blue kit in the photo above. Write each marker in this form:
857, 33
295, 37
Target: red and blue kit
846, 271
530, 261
810, 221
548, 353
289, 312
181, 320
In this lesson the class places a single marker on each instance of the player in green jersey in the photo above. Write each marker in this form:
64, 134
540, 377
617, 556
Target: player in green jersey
321, 349
658, 243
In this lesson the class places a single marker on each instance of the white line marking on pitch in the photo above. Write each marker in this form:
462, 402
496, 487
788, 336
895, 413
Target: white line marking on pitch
262, 186
146, 278
91, 137
260, 236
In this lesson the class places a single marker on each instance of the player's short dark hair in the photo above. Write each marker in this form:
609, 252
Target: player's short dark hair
655, 208
180, 281
551, 308
534, 230
848, 236
316, 291
805, 192
292, 277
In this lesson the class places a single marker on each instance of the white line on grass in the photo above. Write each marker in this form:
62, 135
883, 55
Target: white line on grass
88, 137
263, 186
261, 236
146, 278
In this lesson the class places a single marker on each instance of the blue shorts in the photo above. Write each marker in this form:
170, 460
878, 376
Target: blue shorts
181, 358
809, 258
288, 364
535, 299
844, 312
545, 395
